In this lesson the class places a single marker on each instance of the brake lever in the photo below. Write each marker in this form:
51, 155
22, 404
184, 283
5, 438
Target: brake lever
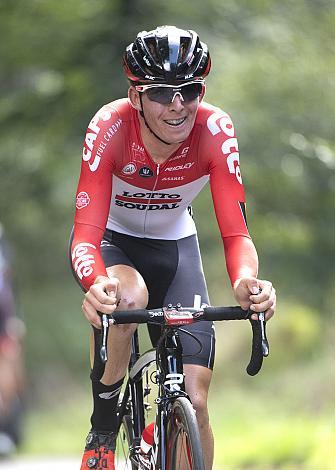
265, 343
104, 337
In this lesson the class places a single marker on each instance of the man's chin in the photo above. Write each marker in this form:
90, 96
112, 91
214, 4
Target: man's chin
176, 137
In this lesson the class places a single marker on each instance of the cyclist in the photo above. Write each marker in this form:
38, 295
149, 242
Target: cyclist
134, 245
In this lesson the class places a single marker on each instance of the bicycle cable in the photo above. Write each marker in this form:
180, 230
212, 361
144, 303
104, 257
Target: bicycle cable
196, 339
161, 339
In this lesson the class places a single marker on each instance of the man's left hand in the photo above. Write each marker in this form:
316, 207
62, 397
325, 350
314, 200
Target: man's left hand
257, 295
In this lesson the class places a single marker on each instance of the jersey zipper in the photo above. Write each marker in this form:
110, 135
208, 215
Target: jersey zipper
153, 189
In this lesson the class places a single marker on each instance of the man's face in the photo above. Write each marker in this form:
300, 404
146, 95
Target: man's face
173, 122
169, 112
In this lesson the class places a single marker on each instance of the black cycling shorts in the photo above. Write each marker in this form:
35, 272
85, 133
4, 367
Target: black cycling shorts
172, 271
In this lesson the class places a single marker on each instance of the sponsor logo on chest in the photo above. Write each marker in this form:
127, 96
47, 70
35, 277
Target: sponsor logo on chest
173, 178
186, 166
146, 172
182, 154
137, 153
129, 169
148, 200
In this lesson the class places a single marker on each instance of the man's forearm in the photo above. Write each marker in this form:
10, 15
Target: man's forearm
241, 258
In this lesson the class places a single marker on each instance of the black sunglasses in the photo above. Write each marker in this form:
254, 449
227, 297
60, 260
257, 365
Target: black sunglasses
165, 94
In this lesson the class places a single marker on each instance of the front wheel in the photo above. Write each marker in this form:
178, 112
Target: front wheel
184, 449
124, 443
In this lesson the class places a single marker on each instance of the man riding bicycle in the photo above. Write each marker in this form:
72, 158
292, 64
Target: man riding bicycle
134, 245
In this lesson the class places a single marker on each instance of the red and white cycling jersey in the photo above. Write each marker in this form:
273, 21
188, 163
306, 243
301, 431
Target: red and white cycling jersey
121, 188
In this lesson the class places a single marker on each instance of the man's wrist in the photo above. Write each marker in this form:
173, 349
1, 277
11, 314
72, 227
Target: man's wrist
101, 278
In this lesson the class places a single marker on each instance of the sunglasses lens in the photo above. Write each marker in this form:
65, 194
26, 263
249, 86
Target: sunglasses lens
164, 95
191, 92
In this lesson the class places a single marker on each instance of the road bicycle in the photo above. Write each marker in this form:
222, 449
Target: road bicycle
176, 443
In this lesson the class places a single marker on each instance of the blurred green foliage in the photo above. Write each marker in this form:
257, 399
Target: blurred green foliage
274, 73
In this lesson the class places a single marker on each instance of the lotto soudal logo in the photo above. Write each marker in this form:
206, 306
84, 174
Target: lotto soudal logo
82, 200
147, 200
187, 166
129, 169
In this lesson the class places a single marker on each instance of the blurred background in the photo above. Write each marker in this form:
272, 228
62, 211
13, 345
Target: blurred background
274, 73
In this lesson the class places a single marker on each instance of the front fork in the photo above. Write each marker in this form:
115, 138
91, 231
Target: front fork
171, 386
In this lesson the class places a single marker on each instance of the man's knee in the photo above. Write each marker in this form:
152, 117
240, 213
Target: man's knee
133, 290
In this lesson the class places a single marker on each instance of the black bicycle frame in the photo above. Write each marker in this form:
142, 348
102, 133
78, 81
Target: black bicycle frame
171, 386
170, 381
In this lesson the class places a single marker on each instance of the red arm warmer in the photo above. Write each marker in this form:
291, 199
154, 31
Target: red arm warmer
85, 253
241, 257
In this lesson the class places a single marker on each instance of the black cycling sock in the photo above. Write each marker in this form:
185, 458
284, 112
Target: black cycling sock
105, 399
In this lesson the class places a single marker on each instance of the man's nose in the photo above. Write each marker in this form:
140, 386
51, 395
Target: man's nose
177, 102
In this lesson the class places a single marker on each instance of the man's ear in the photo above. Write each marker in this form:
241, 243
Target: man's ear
201, 97
134, 98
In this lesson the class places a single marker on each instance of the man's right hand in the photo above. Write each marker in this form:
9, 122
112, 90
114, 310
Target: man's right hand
102, 297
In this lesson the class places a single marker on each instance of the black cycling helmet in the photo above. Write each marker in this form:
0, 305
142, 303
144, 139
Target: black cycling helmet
166, 55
